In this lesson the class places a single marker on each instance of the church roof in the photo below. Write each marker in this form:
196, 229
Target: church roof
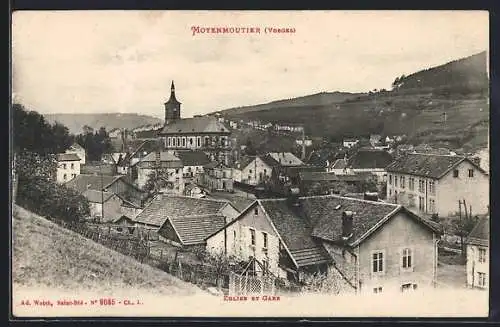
193, 125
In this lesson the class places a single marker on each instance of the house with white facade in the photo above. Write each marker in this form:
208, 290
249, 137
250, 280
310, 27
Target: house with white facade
167, 166
109, 207
68, 167
430, 183
258, 170
78, 150
478, 255
371, 246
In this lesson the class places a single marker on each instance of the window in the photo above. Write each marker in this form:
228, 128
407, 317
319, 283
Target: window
64, 166
395, 196
432, 205
455, 173
190, 141
252, 237
378, 262
395, 181
265, 172
250, 171
264, 237
411, 183
482, 255
73, 175
390, 179
408, 287
407, 259
481, 279
198, 141
234, 236
421, 185
421, 203
402, 182
183, 141
65, 176
169, 141
432, 189
256, 211
471, 172
72, 166
377, 290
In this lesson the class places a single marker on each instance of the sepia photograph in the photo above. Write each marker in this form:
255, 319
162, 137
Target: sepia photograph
250, 164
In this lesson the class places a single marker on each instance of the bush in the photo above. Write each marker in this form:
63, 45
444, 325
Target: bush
38, 192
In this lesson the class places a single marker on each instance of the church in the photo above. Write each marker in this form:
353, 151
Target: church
200, 133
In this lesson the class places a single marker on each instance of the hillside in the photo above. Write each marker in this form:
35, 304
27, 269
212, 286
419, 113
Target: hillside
319, 99
417, 110
46, 255
463, 75
75, 122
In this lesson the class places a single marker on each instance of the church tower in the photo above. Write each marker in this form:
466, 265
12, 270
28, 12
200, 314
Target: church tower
172, 107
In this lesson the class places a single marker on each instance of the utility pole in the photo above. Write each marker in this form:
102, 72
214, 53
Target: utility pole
303, 144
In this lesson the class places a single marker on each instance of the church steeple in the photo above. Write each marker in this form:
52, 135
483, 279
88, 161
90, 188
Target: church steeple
172, 107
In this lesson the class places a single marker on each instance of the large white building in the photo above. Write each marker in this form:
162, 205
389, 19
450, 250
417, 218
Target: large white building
430, 183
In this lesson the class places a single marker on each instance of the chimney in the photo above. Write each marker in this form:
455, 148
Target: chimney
347, 217
293, 197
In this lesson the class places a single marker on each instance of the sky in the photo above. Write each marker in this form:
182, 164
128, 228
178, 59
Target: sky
124, 61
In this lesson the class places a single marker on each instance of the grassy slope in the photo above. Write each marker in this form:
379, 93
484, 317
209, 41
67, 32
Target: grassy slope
75, 122
46, 255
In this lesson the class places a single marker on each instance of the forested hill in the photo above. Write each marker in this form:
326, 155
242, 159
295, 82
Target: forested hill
75, 122
463, 75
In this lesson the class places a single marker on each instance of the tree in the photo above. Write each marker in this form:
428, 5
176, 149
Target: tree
321, 283
157, 180
32, 133
96, 144
250, 148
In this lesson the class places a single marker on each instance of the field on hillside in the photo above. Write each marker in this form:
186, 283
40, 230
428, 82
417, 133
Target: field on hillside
47, 255
418, 116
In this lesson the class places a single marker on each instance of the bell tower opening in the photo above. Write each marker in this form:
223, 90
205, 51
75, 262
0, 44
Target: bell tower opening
172, 107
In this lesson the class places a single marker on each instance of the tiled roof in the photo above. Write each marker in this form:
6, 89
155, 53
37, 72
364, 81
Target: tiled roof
269, 160
328, 221
163, 207
201, 124
286, 159
295, 232
480, 234
426, 165
194, 229
67, 157
167, 160
97, 196
83, 182
370, 158
193, 158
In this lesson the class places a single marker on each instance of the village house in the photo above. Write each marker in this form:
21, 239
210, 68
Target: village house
193, 162
429, 184
68, 167
349, 143
167, 165
478, 255
184, 221
260, 169
136, 150
370, 246
109, 207
330, 182
365, 160
205, 133
217, 177
114, 184
79, 151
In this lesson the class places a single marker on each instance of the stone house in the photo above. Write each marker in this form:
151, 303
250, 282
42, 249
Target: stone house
430, 183
68, 167
372, 246
167, 165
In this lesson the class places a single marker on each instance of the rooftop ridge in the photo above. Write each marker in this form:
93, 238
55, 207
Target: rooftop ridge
332, 196
437, 155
